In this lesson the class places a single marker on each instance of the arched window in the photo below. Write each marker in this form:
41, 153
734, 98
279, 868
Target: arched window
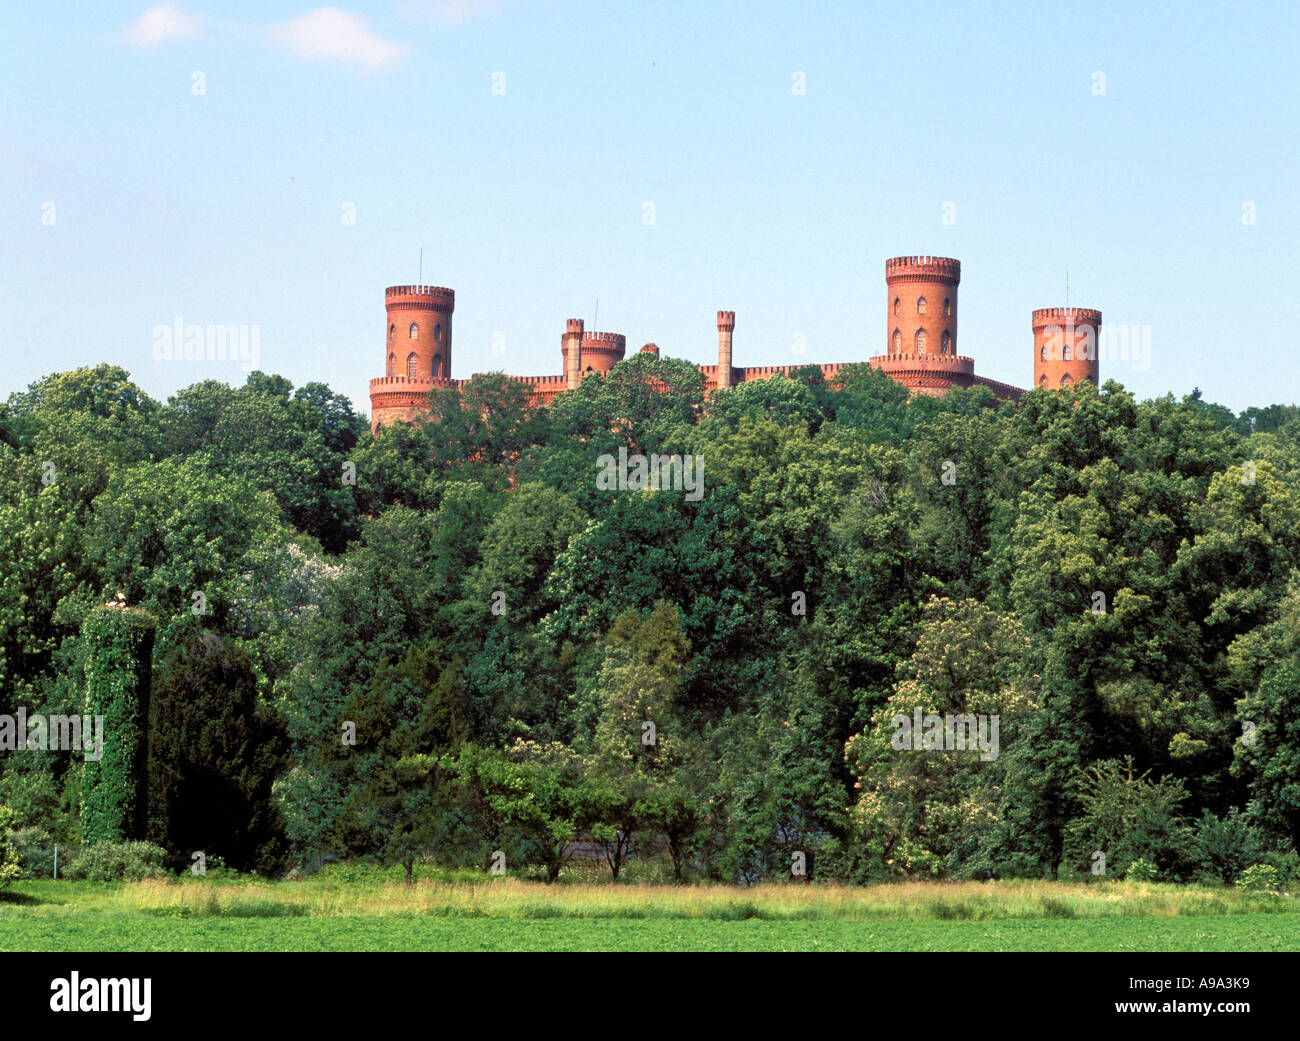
437, 366
392, 365
898, 342
947, 308
921, 340
410, 366
1042, 381
946, 344
1065, 380
1067, 351
920, 305
898, 306
437, 333
1043, 353
392, 329
415, 331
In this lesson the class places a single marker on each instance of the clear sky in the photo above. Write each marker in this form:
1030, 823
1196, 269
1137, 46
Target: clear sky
975, 130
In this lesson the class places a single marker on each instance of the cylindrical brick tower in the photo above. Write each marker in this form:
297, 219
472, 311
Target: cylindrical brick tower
726, 326
1065, 346
922, 305
602, 351
417, 351
921, 326
597, 352
419, 331
571, 349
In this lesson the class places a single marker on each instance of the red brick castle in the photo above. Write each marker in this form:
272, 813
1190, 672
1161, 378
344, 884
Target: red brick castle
920, 336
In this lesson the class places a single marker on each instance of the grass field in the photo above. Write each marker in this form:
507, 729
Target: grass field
347, 911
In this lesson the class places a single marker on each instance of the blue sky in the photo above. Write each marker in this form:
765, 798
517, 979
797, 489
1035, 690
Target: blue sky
227, 207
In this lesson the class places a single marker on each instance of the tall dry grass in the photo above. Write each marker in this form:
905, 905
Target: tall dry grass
513, 899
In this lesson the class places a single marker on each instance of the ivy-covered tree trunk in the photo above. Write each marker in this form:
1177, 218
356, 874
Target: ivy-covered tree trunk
119, 663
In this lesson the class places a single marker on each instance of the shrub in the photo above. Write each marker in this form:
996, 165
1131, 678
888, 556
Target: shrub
1131, 818
35, 851
119, 862
1260, 878
10, 868
1226, 845
1287, 863
1142, 871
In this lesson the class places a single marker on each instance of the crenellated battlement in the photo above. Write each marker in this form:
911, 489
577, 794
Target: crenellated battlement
726, 321
953, 363
437, 298
1046, 316
612, 341
544, 381
923, 269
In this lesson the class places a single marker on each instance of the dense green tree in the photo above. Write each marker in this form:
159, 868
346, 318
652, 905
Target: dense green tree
214, 755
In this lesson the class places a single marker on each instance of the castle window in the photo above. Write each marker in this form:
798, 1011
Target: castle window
392, 365
921, 340
1042, 381
437, 333
1065, 380
1067, 351
437, 366
920, 305
946, 344
392, 329
898, 342
898, 306
415, 331
947, 308
1043, 354
410, 366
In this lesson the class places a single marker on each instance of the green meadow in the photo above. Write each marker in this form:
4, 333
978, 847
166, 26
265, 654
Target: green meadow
372, 911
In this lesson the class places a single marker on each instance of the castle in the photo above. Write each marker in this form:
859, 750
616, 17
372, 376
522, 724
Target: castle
920, 337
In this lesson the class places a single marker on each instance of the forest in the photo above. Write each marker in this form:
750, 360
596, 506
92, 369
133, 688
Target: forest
450, 644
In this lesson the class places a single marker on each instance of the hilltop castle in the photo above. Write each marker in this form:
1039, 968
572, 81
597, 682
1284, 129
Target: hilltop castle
920, 337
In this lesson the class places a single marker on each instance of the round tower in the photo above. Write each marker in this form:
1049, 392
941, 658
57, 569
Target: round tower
921, 325
921, 308
417, 351
418, 334
597, 352
1065, 346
